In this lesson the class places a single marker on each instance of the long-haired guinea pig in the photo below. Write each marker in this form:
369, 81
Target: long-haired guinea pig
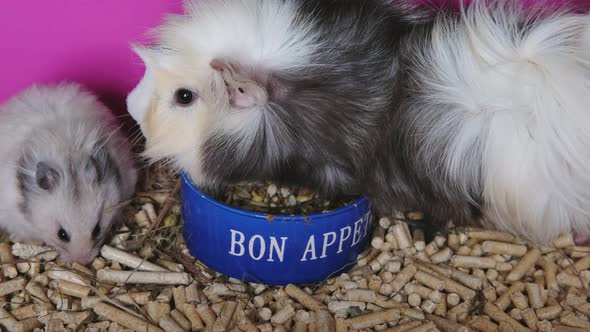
480, 115
64, 169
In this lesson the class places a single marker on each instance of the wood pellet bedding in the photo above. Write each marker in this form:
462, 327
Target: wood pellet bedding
470, 280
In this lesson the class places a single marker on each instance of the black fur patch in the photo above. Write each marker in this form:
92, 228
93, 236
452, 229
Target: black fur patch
103, 165
345, 111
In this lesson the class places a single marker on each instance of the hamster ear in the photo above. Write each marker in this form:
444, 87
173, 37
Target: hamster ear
47, 177
101, 165
243, 90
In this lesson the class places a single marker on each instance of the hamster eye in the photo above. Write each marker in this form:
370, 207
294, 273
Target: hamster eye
184, 97
63, 235
96, 231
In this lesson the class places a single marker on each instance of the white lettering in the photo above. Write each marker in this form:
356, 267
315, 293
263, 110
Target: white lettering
343, 237
357, 232
274, 245
309, 248
367, 219
326, 244
235, 242
251, 247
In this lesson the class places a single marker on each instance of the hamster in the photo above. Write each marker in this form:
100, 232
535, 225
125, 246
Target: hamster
478, 116
64, 168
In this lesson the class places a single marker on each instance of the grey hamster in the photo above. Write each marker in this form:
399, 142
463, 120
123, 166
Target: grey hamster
473, 116
64, 168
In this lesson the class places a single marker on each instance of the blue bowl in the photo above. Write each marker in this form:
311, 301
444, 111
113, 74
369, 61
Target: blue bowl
249, 246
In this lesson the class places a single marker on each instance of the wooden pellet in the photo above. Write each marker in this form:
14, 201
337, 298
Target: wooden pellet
124, 318
447, 325
375, 318
142, 277
244, 323
12, 286
414, 300
573, 321
549, 313
402, 235
428, 306
168, 324
206, 314
562, 328
550, 270
325, 321
8, 260
404, 327
485, 325
530, 318
564, 241
127, 259
504, 300
462, 291
403, 277
25, 312
535, 295
453, 299
498, 315
491, 235
180, 319
568, 280
190, 312
544, 326
505, 327
526, 262
429, 280
227, 312
302, 297
283, 315
519, 300
412, 313
70, 288
424, 327
441, 256
503, 248
423, 291
59, 274
473, 262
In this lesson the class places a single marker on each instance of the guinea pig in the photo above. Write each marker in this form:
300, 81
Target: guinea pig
65, 167
477, 116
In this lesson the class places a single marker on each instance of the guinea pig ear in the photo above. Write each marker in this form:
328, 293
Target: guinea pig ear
101, 165
47, 177
243, 89
154, 57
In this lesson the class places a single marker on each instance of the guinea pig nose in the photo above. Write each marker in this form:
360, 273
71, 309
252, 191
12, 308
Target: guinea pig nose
581, 239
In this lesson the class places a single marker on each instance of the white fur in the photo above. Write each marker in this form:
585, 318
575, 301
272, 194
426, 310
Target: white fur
58, 124
256, 33
520, 108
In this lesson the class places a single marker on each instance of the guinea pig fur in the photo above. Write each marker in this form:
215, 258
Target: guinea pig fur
478, 116
65, 166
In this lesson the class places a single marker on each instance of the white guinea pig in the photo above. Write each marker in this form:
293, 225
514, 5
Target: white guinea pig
482, 112
64, 169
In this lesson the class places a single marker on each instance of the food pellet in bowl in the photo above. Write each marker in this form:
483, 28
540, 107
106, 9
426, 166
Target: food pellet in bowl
267, 197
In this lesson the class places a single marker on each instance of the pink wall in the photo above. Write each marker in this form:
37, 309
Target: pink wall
83, 40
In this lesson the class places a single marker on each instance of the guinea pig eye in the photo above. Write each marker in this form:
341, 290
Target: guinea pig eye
184, 97
63, 235
96, 231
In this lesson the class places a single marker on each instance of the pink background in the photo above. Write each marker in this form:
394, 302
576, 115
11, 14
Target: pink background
83, 40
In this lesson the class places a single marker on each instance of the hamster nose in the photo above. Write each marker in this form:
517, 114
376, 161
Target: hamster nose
82, 259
